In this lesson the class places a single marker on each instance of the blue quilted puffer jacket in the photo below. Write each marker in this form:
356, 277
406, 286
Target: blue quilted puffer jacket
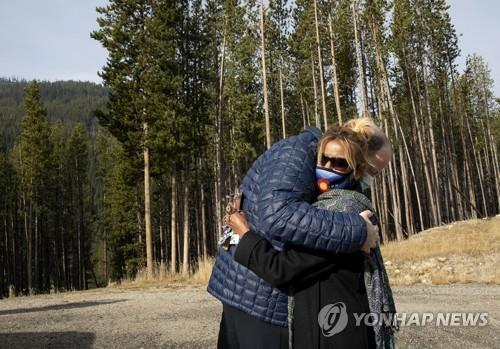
277, 194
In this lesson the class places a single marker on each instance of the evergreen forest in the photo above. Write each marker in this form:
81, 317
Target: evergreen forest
98, 182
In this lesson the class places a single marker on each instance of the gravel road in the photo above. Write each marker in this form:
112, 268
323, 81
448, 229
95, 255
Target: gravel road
188, 317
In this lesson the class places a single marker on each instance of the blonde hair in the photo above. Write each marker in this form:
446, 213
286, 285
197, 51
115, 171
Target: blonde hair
354, 143
374, 136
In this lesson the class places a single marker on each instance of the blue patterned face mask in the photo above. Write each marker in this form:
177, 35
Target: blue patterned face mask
328, 179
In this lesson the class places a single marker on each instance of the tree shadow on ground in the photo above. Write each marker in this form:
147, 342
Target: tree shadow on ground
53, 340
59, 307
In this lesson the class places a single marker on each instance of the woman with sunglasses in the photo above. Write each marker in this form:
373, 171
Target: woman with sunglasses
327, 291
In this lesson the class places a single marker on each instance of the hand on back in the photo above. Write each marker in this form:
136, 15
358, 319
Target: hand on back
372, 237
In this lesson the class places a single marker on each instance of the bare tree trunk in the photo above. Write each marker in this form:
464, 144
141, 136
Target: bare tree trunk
282, 99
320, 64
29, 257
36, 261
385, 208
334, 72
396, 208
451, 136
203, 224
497, 170
173, 222
359, 59
218, 141
106, 259
147, 208
491, 144
185, 245
433, 149
162, 239
316, 115
81, 235
487, 158
468, 181
5, 267
469, 185
232, 178
307, 113
64, 259
428, 176
480, 174
179, 227
396, 202
446, 164
197, 233
264, 75
465, 171
27, 230
490, 166
302, 109
18, 277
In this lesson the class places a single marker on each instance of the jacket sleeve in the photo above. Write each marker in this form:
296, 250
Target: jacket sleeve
279, 268
283, 203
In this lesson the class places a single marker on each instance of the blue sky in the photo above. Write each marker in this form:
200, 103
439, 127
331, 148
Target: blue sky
50, 40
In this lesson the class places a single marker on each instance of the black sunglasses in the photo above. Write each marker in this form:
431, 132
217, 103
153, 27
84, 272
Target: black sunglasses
336, 163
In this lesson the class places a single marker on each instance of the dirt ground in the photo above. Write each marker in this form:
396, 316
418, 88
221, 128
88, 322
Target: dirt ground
188, 317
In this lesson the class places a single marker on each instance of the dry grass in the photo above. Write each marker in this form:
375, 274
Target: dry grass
470, 250
455, 270
462, 252
473, 238
163, 277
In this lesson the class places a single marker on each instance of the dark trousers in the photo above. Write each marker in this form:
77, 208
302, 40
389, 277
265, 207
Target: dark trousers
239, 330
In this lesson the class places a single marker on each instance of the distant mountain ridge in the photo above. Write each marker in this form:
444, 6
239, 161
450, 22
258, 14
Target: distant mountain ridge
66, 101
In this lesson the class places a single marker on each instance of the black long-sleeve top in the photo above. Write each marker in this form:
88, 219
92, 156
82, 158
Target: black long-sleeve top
316, 279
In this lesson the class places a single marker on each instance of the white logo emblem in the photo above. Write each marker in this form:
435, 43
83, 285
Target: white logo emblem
332, 319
